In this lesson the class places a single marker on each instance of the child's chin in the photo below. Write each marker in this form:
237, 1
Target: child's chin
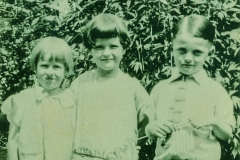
186, 72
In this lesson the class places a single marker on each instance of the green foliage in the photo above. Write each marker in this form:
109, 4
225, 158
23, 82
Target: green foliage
149, 58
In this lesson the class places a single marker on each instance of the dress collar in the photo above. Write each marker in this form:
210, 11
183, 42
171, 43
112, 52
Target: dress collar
65, 98
199, 76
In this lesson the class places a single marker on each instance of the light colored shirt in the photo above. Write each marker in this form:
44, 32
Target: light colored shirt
108, 115
47, 123
204, 98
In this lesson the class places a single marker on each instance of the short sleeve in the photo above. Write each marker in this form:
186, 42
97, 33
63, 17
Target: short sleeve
7, 108
14, 108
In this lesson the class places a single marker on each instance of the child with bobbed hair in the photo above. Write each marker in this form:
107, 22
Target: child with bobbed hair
111, 105
42, 118
106, 26
192, 111
55, 49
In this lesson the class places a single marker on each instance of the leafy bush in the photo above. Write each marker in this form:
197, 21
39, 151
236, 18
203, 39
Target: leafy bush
149, 57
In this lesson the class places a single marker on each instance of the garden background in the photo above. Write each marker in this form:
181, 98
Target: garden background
24, 22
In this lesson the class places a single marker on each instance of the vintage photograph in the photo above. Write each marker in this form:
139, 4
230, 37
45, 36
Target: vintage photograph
120, 80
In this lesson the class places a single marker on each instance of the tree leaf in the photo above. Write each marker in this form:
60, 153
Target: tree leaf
35, 21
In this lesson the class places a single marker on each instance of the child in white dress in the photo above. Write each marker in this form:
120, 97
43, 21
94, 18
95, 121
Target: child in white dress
42, 118
111, 105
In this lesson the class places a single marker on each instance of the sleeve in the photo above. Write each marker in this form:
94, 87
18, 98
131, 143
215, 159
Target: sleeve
154, 101
153, 104
144, 112
13, 109
7, 108
224, 107
142, 102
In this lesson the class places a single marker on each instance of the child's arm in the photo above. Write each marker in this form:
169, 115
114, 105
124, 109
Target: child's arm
142, 103
10, 109
221, 129
12, 142
223, 121
157, 128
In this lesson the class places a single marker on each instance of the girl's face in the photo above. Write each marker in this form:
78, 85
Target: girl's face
107, 53
50, 74
190, 52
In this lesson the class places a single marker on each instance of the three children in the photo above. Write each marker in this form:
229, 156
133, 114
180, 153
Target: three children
98, 117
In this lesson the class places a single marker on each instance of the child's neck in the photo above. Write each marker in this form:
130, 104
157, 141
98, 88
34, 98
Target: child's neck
104, 74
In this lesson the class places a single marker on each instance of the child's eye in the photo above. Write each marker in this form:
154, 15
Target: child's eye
98, 47
44, 65
197, 52
113, 46
181, 50
57, 67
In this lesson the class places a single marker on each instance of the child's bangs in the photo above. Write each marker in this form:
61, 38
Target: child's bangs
105, 26
105, 31
53, 56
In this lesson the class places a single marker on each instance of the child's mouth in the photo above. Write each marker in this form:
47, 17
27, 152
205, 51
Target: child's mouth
187, 65
106, 59
49, 79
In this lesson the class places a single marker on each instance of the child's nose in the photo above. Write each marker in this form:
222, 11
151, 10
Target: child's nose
49, 70
106, 51
189, 57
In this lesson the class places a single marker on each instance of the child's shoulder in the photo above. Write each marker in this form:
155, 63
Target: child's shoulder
162, 83
17, 103
214, 85
161, 86
86, 76
25, 94
127, 79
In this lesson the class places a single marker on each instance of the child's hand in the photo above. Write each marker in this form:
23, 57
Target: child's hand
159, 128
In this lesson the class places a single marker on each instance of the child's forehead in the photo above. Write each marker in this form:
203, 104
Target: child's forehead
51, 57
182, 38
105, 40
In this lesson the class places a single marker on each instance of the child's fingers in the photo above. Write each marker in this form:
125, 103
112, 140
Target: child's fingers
170, 125
160, 133
159, 128
166, 128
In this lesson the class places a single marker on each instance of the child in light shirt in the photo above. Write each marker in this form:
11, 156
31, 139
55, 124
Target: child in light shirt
42, 118
192, 110
110, 103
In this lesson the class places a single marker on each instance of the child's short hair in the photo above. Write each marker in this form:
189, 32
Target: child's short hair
197, 25
106, 25
57, 49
